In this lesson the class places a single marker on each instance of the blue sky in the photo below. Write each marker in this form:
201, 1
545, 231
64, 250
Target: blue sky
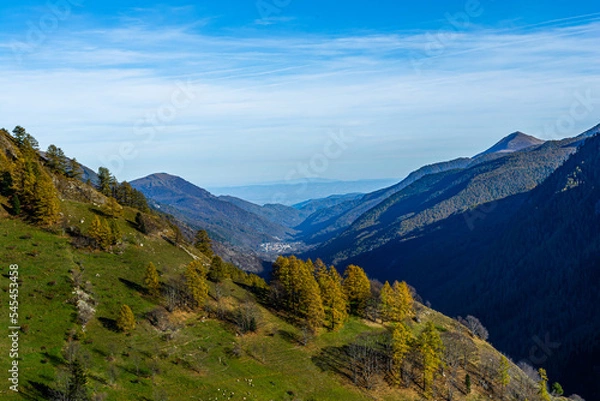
238, 92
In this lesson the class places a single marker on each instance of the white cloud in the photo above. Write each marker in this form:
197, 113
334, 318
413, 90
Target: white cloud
269, 102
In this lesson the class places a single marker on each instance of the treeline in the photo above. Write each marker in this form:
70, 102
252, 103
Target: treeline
26, 179
317, 295
25, 182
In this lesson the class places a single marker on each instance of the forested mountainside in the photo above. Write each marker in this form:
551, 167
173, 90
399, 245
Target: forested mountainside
330, 222
526, 264
435, 197
115, 304
200, 209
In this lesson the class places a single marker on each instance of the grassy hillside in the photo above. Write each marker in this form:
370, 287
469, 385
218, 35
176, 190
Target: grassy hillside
77, 270
197, 355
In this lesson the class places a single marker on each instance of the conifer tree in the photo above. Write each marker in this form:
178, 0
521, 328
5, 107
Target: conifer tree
46, 205
310, 298
19, 133
203, 243
196, 283
115, 232
543, 385
334, 300
74, 169
105, 180
126, 319
99, 230
151, 280
339, 302
401, 343
218, 271
503, 374
56, 159
386, 300
357, 288
431, 351
112, 208
403, 302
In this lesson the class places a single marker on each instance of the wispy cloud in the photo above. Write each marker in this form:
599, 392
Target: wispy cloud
269, 101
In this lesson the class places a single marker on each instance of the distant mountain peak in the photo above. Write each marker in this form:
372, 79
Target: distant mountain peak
591, 132
513, 143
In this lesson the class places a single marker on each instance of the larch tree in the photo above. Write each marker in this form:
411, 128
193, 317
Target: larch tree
195, 279
338, 303
504, 374
543, 385
431, 350
386, 299
99, 230
152, 280
401, 345
112, 208
46, 204
126, 319
402, 307
309, 296
357, 288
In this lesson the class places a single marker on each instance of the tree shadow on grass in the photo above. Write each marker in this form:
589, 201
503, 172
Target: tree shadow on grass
109, 324
134, 286
38, 391
53, 359
336, 360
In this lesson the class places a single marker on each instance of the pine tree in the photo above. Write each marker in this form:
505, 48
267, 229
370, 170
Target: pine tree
357, 288
543, 385
196, 283
218, 271
401, 343
74, 171
19, 133
56, 159
126, 319
203, 243
431, 351
151, 280
105, 179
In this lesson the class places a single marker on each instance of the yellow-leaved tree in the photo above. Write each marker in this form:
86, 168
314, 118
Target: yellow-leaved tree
357, 288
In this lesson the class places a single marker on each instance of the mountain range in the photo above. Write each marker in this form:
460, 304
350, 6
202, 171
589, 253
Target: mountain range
113, 303
450, 229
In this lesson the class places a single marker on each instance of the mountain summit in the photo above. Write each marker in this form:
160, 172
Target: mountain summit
513, 143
